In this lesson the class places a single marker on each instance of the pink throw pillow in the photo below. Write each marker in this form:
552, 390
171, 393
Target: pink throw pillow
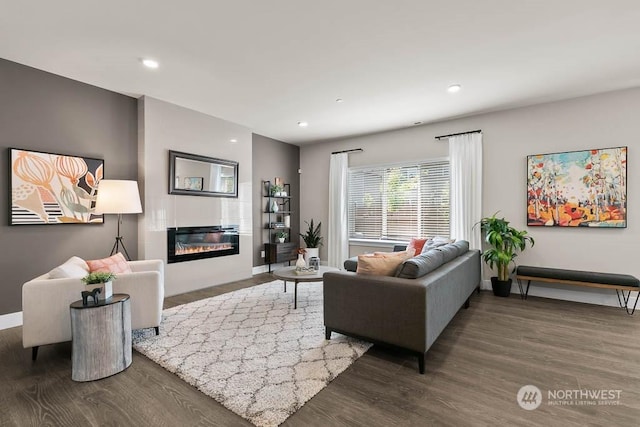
114, 264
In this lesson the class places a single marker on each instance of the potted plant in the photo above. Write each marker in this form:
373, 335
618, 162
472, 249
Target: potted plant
505, 242
102, 280
312, 239
281, 235
276, 190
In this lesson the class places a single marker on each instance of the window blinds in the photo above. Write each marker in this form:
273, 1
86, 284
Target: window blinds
399, 202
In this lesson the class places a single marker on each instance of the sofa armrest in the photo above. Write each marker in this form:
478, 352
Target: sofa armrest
146, 289
147, 265
45, 310
386, 309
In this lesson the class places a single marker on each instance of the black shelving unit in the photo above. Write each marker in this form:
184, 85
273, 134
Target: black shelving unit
274, 251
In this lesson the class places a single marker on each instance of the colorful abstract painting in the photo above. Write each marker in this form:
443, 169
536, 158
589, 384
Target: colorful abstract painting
51, 188
578, 188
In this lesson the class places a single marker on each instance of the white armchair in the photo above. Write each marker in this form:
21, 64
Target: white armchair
45, 302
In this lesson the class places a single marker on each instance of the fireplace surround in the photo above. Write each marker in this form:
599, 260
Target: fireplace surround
192, 243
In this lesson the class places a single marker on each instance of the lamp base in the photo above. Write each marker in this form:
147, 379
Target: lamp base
116, 248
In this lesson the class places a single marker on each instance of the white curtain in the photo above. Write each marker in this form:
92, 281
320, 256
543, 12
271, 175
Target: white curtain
465, 156
337, 238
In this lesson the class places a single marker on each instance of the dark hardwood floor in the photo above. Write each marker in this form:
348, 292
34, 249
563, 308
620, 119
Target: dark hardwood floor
473, 373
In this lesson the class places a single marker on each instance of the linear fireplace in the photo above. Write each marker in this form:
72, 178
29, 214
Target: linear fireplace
191, 243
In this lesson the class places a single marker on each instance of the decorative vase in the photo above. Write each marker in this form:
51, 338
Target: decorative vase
274, 206
312, 252
300, 263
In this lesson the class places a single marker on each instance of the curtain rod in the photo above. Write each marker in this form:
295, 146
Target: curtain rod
347, 151
460, 133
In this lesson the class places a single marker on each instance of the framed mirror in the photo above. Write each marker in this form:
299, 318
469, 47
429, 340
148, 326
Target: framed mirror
195, 175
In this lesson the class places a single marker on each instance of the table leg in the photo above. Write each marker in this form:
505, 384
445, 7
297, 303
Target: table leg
295, 295
285, 286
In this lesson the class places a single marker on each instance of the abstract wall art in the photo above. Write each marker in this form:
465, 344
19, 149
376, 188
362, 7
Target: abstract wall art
578, 188
49, 188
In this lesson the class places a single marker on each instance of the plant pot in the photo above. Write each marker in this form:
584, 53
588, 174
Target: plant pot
281, 239
106, 290
312, 252
500, 287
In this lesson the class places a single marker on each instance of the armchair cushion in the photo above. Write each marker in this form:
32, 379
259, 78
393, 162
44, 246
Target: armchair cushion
74, 267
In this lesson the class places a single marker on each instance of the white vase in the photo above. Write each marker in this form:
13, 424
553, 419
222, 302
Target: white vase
312, 252
301, 263
274, 207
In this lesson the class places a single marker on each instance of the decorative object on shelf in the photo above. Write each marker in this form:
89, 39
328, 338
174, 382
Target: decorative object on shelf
277, 225
274, 206
118, 197
281, 235
287, 221
49, 188
276, 190
300, 262
104, 282
585, 188
312, 239
505, 242
314, 262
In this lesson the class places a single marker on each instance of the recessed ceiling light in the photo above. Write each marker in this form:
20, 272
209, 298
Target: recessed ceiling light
454, 88
150, 63
339, 100
233, 141
303, 124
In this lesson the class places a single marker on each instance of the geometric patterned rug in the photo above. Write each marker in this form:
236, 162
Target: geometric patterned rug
251, 351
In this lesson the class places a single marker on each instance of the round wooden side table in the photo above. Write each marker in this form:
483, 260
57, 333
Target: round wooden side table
101, 338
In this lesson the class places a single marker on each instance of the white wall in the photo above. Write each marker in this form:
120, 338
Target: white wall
164, 127
605, 120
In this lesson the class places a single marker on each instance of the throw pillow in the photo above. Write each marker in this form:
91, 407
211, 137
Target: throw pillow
114, 264
73, 268
417, 244
379, 265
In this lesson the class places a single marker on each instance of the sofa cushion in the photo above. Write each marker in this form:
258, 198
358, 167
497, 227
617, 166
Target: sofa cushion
449, 252
422, 264
114, 264
462, 245
436, 242
380, 264
73, 268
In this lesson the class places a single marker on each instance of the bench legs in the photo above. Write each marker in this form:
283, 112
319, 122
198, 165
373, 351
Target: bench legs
624, 301
523, 293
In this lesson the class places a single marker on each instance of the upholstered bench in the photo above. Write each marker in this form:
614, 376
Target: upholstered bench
620, 282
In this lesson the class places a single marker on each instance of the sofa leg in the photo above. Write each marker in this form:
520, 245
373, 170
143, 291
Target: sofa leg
157, 328
466, 303
34, 353
421, 358
327, 333
478, 289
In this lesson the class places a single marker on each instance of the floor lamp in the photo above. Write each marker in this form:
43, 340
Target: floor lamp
118, 197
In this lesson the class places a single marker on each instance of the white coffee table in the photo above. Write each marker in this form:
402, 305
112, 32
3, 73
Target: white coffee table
288, 274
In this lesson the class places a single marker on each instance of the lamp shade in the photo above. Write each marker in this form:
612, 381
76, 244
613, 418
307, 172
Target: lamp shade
117, 196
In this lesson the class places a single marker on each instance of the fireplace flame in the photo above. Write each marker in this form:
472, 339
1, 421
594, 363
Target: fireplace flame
186, 249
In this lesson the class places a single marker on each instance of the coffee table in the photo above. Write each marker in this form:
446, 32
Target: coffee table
288, 274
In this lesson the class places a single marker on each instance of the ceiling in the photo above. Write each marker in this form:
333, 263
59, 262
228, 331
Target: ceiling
270, 64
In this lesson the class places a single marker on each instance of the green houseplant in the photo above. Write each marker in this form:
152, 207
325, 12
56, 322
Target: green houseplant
281, 235
103, 280
505, 242
312, 239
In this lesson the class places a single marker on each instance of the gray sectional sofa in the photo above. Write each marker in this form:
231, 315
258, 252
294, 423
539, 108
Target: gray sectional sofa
407, 311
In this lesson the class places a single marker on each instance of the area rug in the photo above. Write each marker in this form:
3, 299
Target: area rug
251, 351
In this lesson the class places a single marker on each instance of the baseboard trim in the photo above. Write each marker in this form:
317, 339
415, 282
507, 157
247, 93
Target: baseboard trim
10, 320
265, 268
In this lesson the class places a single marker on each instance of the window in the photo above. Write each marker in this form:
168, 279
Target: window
399, 202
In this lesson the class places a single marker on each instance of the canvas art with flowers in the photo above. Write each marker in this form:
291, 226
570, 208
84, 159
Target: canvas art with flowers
578, 189
49, 188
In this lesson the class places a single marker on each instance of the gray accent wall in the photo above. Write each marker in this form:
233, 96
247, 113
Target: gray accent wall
44, 112
273, 158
